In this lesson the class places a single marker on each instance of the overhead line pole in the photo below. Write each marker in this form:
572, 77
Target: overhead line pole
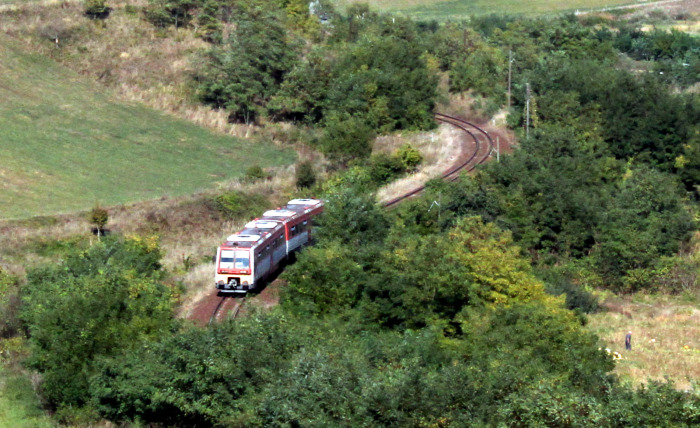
510, 73
527, 113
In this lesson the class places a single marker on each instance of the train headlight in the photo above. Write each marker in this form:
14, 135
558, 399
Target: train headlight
245, 282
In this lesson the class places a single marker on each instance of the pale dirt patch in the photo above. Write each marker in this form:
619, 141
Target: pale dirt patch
440, 150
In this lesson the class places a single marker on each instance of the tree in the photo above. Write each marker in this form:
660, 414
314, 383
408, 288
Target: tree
647, 220
99, 303
99, 217
242, 75
96, 9
423, 279
345, 138
305, 175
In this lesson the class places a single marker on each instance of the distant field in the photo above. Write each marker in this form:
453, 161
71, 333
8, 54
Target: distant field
65, 145
456, 9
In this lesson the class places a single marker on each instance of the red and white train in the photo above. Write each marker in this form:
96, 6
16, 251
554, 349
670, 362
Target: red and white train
247, 258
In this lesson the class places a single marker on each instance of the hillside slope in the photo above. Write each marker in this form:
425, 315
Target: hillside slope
67, 145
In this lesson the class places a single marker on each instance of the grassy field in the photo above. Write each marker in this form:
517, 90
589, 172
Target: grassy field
665, 337
66, 145
458, 9
18, 403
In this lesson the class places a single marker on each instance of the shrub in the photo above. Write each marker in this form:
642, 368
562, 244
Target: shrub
98, 303
99, 217
305, 175
346, 139
383, 168
9, 305
96, 9
254, 173
237, 204
410, 157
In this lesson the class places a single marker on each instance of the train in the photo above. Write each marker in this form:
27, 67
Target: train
248, 257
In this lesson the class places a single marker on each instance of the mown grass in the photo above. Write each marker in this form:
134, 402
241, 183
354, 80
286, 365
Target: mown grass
67, 145
442, 10
18, 404
665, 337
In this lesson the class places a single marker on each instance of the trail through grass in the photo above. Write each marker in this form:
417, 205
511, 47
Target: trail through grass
66, 145
442, 10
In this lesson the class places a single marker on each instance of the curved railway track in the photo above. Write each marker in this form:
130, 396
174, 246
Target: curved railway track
483, 146
222, 308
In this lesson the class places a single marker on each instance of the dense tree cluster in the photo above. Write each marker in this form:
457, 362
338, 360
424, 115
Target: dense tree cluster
352, 78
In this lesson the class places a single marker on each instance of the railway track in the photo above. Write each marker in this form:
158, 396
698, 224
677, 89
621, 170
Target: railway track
483, 146
223, 307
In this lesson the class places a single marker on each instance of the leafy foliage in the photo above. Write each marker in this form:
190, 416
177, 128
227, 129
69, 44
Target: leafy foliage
99, 217
98, 303
305, 175
9, 305
244, 73
238, 204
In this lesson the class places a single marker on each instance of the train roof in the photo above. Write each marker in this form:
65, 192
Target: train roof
305, 202
280, 213
242, 240
262, 224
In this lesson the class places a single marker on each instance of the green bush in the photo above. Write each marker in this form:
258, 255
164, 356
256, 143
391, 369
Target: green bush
410, 157
305, 175
345, 139
9, 305
98, 303
237, 204
383, 168
96, 9
254, 173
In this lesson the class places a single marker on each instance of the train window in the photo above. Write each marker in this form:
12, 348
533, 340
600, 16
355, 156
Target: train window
226, 260
305, 222
242, 260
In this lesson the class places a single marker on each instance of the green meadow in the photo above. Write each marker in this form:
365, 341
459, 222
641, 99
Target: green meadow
66, 145
443, 10
19, 407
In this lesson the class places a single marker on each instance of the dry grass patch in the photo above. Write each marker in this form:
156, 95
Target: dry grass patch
665, 338
440, 150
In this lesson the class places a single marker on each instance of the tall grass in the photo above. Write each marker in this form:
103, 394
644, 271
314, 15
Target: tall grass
665, 337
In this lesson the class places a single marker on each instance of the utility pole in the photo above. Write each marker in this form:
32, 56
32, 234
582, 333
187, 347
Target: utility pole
527, 113
498, 149
510, 73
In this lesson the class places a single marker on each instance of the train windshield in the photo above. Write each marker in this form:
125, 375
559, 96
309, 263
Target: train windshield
234, 259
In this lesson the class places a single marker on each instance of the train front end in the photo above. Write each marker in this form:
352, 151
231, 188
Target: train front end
234, 269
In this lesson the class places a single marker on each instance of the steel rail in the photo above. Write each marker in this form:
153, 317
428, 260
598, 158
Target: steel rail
217, 309
453, 173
